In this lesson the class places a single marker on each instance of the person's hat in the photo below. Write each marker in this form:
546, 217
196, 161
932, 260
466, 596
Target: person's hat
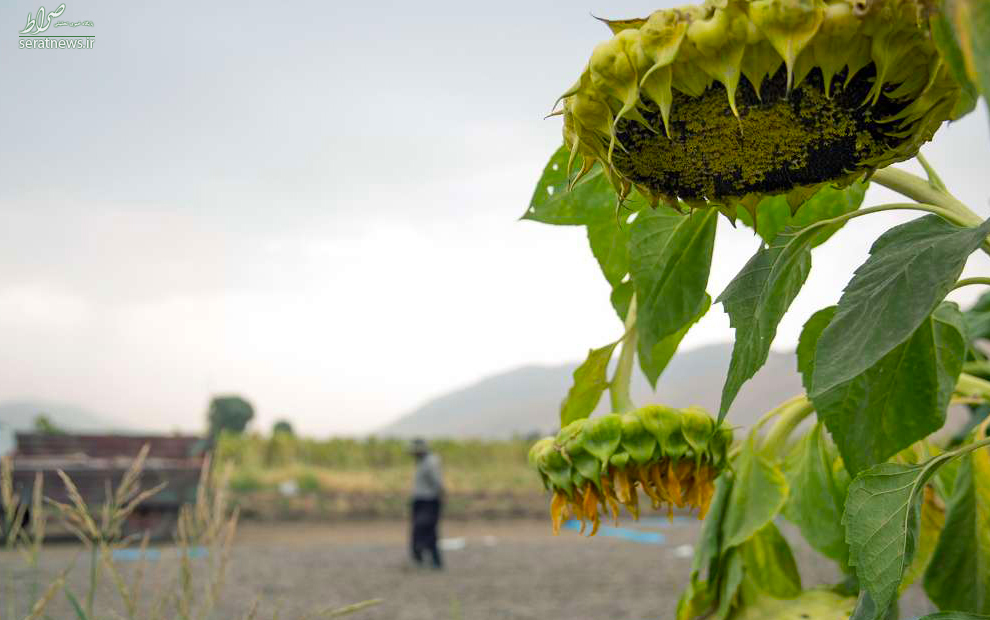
418, 446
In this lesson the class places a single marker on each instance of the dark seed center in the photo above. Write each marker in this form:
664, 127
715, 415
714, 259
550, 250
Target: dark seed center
781, 140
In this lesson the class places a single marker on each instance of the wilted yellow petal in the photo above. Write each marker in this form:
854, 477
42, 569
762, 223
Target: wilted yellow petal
609, 500
674, 486
591, 500
656, 475
558, 510
595, 522
633, 504
622, 485
646, 482
706, 499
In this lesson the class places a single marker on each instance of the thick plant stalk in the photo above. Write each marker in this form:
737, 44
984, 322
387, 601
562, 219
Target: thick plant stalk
792, 412
916, 188
618, 388
971, 282
788, 419
973, 386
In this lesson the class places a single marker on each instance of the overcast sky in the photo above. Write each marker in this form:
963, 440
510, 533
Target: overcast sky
315, 204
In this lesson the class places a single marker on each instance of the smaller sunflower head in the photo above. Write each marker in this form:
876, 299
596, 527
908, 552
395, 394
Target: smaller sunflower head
595, 465
725, 103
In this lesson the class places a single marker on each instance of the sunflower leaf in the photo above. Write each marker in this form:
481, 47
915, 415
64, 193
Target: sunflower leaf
654, 360
818, 494
670, 259
590, 382
910, 270
970, 20
881, 518
757, 299
958, 575
757, 496
901, 399
591, 200
773, 214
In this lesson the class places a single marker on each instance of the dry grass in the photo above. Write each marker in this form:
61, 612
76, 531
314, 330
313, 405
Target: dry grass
206, 528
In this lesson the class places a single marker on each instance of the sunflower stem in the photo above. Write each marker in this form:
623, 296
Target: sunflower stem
779, 409
970, 282
786, 422
977, 367
916, 188
970, 385
618, 388
788, 407
933, 179
893, 206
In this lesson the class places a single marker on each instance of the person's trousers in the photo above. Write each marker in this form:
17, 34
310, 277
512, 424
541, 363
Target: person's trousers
425, 516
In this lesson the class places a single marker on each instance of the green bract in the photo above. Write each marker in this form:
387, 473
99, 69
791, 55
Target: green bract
673, 456
734, 100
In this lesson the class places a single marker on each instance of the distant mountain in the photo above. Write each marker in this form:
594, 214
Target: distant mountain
527, 399
19, 416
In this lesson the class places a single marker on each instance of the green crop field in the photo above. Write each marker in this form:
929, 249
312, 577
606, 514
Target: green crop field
284, 476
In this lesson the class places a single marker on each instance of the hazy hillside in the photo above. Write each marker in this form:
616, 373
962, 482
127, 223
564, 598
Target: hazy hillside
19, 416
527, 399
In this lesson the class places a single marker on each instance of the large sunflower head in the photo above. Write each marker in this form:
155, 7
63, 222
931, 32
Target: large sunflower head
734, 100
594, 465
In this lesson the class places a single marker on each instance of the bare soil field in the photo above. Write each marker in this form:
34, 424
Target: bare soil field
508, 569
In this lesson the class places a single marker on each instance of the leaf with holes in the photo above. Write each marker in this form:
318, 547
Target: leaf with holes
592, 199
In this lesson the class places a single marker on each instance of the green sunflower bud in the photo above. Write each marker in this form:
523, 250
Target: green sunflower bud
535, 457
537, 450
637, 441
738, 99
698, 429
557, 469
619, 460
602, 436
720, 446
571, 436
594, 465
587, 465
665, 424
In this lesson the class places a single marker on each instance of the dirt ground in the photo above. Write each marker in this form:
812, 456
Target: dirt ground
494, 570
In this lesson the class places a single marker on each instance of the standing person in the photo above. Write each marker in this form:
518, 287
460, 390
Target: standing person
427, 496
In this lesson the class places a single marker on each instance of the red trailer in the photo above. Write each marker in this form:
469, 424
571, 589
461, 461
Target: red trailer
93, 461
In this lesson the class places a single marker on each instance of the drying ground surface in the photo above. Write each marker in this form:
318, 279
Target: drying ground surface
509, 569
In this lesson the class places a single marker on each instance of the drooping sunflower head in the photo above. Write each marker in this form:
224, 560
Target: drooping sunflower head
738, 99
594, 465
